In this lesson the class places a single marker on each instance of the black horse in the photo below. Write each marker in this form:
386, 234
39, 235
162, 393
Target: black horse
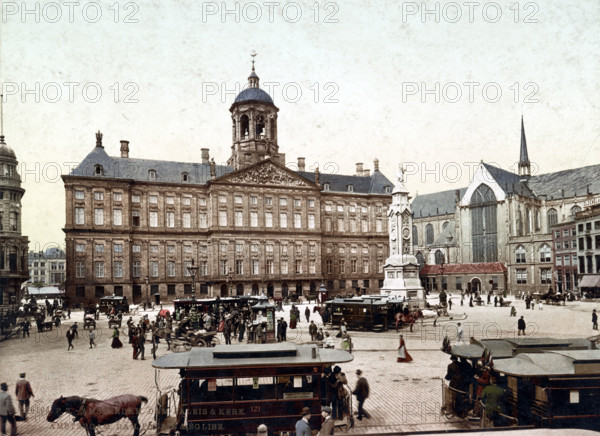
91, 412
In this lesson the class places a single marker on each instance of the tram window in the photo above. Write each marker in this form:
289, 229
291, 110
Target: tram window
255, 388
211, 390
574, 397
295, 387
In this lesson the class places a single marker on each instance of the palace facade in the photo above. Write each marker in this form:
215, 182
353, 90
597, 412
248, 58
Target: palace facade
135, 226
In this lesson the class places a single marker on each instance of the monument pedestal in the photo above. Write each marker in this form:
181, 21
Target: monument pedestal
402, 280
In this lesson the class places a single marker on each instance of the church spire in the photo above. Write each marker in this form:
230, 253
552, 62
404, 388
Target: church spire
253, 77
524, 165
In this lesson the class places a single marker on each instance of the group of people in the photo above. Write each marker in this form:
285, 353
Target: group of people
337, 402
24, 393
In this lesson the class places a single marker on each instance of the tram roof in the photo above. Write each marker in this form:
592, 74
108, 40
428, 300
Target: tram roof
506, 348
367, 299
280, 354
551, 363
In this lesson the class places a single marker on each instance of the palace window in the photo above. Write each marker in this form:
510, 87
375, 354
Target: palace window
153, 218
186, 219
222, 218
118, 269
269, 219
79, 194
80, 248
153, 199
311, 221
170, 219
170, 269
98, 195
117, 217
79, 216
253, 219
99, 217
80, 270
238, 218
135, 218
99, 269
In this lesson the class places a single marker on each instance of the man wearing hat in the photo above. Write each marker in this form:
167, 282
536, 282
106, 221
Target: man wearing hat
23, 392
7, 411
328, 424
362, 393
302, 425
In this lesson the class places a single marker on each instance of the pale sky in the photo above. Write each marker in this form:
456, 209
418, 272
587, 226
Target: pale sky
369, 61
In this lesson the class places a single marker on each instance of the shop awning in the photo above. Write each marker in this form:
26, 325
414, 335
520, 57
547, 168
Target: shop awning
590, 281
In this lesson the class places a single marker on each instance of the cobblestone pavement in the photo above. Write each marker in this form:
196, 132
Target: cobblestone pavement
404, 396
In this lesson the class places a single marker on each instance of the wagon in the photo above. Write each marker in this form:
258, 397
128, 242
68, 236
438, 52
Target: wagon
195, 339
89, 322
114, 322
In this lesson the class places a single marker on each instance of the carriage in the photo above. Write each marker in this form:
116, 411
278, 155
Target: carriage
546, 382
119, 303
200, 338
89, 322
115, 321
367, 312
233, 389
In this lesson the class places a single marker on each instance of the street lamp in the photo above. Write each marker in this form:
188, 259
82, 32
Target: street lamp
147, 291
229, 281
193, 270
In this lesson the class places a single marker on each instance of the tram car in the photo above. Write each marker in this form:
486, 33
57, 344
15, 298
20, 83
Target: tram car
544, 382
232, 389
367, 312
118, 302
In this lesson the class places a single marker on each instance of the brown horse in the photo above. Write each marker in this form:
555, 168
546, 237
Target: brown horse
91, 412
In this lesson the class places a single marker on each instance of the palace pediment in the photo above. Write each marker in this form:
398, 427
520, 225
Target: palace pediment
265, 172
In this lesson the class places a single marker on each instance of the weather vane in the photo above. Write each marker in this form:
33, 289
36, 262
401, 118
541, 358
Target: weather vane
253, 54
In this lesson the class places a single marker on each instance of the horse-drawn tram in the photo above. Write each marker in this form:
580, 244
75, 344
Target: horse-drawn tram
525, 382
369, 312
232, 389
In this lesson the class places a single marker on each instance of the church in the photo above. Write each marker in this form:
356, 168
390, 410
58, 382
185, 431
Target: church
140, 228
499, 232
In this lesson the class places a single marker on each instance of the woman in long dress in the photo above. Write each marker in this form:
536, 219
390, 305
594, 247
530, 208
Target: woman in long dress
116, 342
403, 355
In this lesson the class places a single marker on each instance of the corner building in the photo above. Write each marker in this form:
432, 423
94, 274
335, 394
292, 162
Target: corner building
134, 226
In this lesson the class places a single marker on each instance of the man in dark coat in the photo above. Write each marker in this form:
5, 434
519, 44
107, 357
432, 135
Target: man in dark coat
312, 329
307, 313
594, 321
362, 393
283, 330
141, 340
521, 326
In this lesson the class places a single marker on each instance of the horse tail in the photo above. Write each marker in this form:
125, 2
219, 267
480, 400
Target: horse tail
143, 399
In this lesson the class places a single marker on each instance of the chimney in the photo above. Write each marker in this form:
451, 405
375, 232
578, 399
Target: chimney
359, 169
367, 173
125, 149
376, 165
301, 164
205, 156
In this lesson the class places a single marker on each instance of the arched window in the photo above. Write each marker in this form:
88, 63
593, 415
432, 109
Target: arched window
445, 225
483, 225
420, 260
284, 290
239, 289
260, 126
415, 235
254, 289
552, 217
439, 257
545, 254
520, 254
429, 234
244, 124
574, 210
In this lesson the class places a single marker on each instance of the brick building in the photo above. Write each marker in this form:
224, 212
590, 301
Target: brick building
134, 226
588, 248
564, 240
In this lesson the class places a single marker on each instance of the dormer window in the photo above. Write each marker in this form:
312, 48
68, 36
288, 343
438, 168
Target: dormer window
325, 186
98, 170
184, 177
387, 189
350, 188
152, 175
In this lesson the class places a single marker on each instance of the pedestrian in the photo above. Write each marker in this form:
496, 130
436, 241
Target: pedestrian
7, 411
26, 326
302, 425
362, 393
493, 398
320, 336
513, 311
459, 334
540, 305
70, 337
312, 329
227, 332
471, 301
141, 340
116, 342
24, 393
134, 341
307, 314
284, 326
450, 303
92, 336
69, 312
496, 301
403, 355
328, 424
279, 329
241, 331
155, 341
594, 320
521, 326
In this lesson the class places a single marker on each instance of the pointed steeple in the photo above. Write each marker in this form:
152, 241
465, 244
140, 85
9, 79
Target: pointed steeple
524, 165
253, 79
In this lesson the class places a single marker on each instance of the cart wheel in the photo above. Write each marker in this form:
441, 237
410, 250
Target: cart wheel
201, 343
215, 341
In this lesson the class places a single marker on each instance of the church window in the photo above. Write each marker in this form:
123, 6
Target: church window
429, 234
545, 254
484, 225
444, 225
415, 235
439, 257
520, 254
574, 210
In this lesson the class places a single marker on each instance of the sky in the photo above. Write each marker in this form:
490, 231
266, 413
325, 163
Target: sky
437, 86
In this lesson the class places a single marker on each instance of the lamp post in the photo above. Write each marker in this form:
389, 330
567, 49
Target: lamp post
229, 281
147, 291
193, 270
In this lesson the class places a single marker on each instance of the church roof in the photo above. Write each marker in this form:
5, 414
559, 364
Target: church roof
465, 268
436, 203
567, 183
511, 183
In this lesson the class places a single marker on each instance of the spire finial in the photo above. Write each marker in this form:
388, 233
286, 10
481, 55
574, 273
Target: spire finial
253, 54
253, 78
99, 139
